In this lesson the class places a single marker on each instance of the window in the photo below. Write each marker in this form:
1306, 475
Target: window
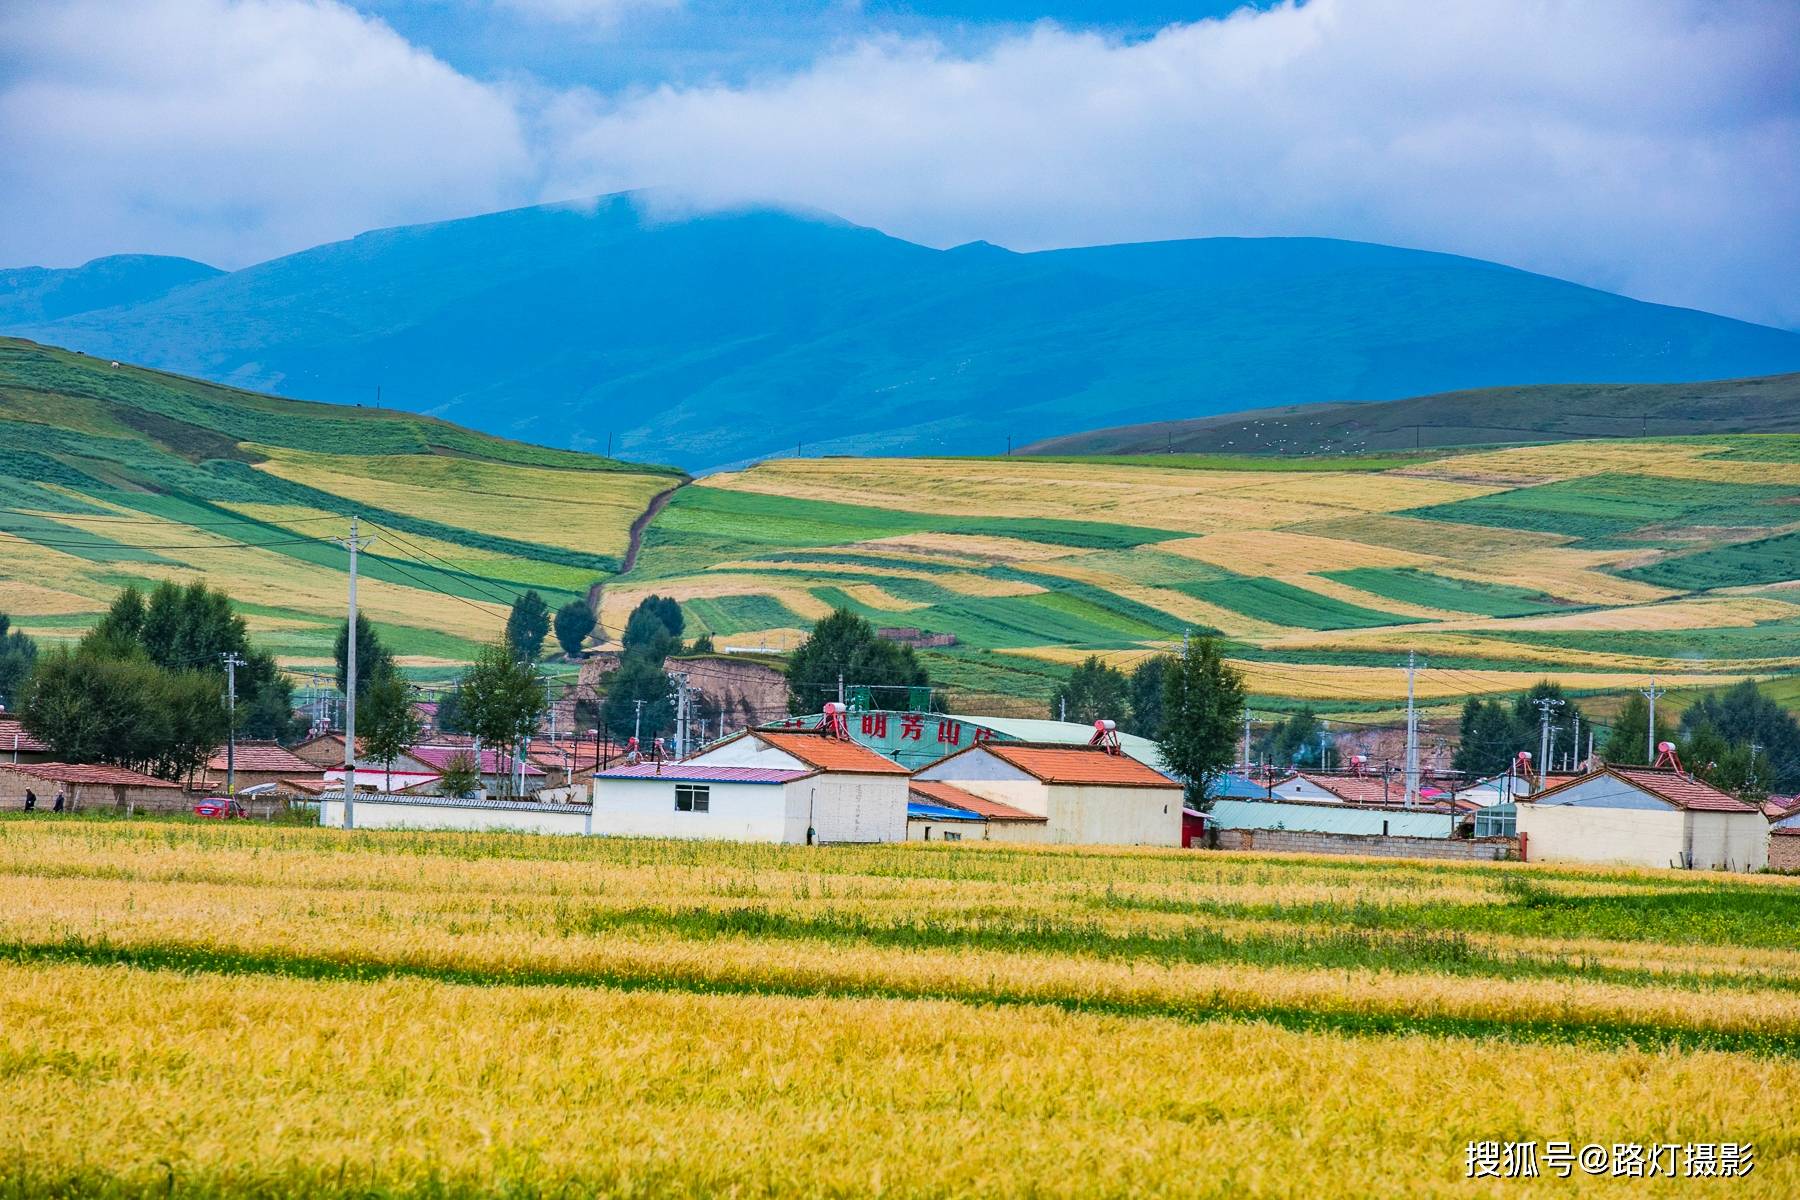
951, 836
693, 797
1496, 820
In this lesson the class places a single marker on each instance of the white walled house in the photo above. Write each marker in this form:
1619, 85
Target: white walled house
1087, 795
1643, 816
762, 786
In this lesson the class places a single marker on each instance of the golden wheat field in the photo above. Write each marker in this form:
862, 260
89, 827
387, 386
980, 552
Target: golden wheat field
196, 1010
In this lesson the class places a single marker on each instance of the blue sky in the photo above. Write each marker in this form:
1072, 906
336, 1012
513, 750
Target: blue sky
1650, 147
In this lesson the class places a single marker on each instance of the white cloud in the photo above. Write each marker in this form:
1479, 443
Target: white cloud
231, 131
1649, 146
1653, 148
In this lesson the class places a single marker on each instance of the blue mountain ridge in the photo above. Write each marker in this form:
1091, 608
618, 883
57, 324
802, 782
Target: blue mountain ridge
718, 338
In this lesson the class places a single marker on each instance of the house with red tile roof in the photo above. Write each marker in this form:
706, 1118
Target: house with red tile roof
86, 785
946, 813
1088, 795
796, 786
1645, 816
17, 746
256, 763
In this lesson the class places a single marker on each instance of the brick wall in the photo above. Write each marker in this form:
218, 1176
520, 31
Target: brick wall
1784, 852
1290, 841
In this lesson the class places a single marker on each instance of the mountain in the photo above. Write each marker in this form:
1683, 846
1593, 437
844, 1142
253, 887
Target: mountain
713, 339
33, 294
113, 474
1480, 416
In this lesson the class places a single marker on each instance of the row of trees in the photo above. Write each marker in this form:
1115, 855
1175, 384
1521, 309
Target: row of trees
145, 688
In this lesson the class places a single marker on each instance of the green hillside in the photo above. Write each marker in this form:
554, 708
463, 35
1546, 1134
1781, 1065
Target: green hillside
716, 338
114, 474
1483, 416
1600, 563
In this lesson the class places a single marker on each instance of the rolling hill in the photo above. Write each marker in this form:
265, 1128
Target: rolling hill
715, 339
1481, 416
114, 474
1598, 563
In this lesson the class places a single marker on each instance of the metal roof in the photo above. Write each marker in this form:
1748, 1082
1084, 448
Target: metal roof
932, 812
1328, 818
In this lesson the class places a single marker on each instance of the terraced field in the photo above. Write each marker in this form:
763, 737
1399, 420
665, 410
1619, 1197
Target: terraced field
302, 1012
116, 474
1599, 563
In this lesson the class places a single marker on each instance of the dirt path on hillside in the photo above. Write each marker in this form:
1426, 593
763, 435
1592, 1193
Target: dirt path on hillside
598, 591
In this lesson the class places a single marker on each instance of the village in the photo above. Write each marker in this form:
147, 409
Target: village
857, 774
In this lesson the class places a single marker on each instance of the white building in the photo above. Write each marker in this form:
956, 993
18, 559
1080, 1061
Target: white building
1644, 816
761, 786
1086, 794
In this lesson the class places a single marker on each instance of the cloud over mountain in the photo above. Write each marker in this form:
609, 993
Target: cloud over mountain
1650, 148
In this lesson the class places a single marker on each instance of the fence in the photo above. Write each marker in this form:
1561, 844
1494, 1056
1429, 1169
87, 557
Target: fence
1291, 841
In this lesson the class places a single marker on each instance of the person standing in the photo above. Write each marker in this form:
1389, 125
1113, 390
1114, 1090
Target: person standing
58, 805
30, 800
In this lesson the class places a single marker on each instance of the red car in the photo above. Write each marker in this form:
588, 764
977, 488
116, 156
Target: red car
221, 807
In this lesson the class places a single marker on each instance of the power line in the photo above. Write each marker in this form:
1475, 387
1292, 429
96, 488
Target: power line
138, 520
232, 543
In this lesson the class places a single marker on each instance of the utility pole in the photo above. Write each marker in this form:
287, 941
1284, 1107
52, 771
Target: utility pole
681, 714
840, 687
1412, 733
1650, 694
637, 723
1321, 746
232, 663
353, 544
1575, 741
1545, 706
1246, 759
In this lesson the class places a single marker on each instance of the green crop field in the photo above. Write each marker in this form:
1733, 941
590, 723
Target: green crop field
1598, 563
115, 475
205, 1010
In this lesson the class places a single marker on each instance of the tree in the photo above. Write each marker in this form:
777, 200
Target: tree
1628, 742
702, 645
1744, 718
1146, 696
501, 697
124, 620
1294, 741
638, 678
527, 626
373, 660
387, 722
1093, 692
265, 706
1203, 701
461, 776
666, 609
844, 645
125, 711
1490, 738
574, 621
17, 654
646, 635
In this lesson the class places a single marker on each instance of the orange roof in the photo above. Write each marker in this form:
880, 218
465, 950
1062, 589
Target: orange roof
951, 796
87, 773
825, 753
1675, 787
1076, 765
262, 757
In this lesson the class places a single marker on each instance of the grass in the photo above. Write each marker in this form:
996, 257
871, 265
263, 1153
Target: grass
121, 475
467, 1014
